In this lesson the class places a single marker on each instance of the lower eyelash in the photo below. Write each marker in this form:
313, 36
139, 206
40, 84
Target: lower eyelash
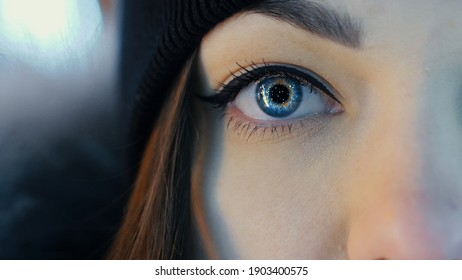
251, 131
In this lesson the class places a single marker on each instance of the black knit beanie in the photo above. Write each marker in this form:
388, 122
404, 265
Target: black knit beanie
159, 36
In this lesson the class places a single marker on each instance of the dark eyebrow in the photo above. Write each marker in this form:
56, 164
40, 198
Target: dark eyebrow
319, 19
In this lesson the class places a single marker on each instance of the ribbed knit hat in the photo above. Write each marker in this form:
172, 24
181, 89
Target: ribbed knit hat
164, 33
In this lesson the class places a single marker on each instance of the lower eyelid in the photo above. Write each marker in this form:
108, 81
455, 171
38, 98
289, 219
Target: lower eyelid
249, 130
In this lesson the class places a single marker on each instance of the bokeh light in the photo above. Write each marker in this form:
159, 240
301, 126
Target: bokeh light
48, 34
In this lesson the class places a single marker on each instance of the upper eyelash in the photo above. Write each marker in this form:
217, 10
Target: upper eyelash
254, 73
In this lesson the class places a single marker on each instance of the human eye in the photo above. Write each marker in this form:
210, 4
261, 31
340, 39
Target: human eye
272, 98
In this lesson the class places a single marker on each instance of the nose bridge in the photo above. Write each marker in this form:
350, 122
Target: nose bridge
393, 145
407, 198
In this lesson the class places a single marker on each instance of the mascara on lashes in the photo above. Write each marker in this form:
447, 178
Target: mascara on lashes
254, 73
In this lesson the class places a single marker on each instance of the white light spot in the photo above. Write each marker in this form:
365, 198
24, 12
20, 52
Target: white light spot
48, 34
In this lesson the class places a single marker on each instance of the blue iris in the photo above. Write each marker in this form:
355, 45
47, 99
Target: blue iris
279, 96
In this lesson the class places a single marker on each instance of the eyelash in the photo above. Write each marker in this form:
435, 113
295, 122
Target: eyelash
254, 73
245, 76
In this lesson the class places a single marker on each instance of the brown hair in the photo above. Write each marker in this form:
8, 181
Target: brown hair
157, 224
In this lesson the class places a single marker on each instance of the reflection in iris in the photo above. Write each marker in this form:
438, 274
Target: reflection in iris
48, 34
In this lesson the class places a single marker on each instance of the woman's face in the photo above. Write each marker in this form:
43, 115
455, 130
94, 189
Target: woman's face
338, 132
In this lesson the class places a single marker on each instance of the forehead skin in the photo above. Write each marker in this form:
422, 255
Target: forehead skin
380, 180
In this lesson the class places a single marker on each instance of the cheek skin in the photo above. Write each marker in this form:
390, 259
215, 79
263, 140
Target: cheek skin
275, 212
258, 203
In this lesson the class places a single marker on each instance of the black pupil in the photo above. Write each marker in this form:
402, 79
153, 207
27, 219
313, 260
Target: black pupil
279, 94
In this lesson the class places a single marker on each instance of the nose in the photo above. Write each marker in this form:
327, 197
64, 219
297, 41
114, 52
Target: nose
406, 202
405, 227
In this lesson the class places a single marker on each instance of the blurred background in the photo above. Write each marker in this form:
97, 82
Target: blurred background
62, 176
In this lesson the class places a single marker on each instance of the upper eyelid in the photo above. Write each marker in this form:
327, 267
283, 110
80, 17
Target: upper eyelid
230, 89
312, 77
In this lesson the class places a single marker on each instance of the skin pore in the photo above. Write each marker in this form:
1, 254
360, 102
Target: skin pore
378, 179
